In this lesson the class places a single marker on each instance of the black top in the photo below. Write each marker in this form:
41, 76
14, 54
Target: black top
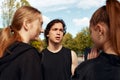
57, 66
20, 62
104, 67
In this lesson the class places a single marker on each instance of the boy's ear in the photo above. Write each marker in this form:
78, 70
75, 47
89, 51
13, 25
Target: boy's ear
47, 35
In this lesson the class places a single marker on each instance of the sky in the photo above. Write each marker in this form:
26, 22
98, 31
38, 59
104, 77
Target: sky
75, 13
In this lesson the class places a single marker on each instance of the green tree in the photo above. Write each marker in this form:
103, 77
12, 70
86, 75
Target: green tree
38, 44
8, 8
44, 43
22, 3
83, 40
68, 41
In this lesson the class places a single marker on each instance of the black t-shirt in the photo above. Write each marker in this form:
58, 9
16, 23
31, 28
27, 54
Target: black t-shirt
57, 66
104, 67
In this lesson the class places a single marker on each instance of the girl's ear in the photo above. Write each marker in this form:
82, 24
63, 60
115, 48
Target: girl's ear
100, 29
26, 25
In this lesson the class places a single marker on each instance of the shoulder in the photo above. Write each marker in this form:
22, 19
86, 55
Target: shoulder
74, 56
70, 52
44, 51
20, 46
67, 49
25, 49
83, 69
80, 71
73, 53
86, 66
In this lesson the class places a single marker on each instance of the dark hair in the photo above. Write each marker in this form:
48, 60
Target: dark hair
50, 24
110, 15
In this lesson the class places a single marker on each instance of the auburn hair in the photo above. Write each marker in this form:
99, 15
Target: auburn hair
10, 34
110, 15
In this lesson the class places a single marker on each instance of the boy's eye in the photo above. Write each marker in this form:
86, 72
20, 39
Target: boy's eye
61, 30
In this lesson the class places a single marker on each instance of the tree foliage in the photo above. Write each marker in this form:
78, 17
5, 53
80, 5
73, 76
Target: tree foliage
68, 41
83, 40
44, 43
79, 43
22, 3
8, 8
38, 44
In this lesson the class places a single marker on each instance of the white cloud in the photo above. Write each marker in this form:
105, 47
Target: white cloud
0, 8
81, 22
68, 11
1, 26
87, 4
55, 9
0, 12
1, 15
49, 3
52, 5
55, 5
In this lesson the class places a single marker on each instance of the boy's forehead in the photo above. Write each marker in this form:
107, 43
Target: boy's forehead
57, 25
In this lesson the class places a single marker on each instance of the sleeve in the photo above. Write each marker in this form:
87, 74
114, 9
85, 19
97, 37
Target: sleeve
80, 72
84, 71
30, 66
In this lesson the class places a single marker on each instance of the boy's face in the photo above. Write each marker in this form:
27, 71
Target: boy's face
55, 34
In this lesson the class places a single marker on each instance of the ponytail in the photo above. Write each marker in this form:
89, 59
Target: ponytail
7, 37
113, 11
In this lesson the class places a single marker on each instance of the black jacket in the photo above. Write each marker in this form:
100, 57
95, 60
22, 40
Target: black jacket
104, 67
21, 62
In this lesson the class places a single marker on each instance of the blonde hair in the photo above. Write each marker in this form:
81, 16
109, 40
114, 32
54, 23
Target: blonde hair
10, 34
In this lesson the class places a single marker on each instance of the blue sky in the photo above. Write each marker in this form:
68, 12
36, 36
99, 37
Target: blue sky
75, 13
